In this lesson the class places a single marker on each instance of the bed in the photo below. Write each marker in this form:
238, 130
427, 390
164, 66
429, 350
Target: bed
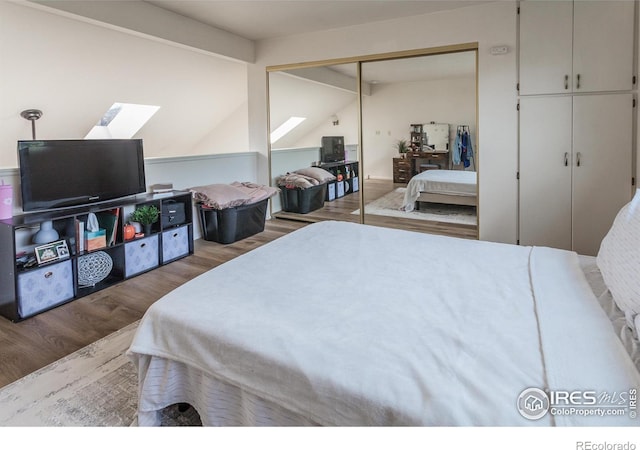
453, 187
346, 324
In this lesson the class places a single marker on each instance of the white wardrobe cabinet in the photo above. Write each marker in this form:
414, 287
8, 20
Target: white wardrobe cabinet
575, 168
576, 46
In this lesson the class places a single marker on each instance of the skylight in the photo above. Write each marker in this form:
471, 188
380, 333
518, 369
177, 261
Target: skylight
285, 128
122, 121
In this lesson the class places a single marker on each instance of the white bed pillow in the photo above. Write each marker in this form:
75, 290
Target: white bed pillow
619, 259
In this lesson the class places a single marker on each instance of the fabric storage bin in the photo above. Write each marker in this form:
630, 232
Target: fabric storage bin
354, 184
303, 201
44, 288
175, 243
340, 189
331, 191
229, 225
141, 255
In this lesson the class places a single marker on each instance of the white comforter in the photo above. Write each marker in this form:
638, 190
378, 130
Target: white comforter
448, 182
348, 324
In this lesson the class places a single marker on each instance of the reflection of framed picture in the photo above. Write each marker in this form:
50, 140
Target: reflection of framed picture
52, 251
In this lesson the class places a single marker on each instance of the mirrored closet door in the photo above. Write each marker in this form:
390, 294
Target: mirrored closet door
410, 113
418, 131
313, 123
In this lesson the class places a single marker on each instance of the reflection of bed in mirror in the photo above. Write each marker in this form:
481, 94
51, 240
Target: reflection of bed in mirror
453, 187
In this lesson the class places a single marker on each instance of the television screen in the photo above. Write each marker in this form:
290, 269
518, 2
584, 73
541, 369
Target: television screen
61, 173
332, 149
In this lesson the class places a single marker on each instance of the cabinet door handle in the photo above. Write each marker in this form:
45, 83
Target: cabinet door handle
578, 156
578, 81
175, 235
566, 159
143, 245
566, 81
48, 275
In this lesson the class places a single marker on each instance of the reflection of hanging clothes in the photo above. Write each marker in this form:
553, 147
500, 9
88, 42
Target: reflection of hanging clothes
462, 148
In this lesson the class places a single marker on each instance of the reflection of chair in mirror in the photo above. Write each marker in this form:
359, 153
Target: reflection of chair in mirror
424, 167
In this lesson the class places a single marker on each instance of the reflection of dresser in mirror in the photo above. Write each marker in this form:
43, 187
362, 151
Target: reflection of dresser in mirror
429, 150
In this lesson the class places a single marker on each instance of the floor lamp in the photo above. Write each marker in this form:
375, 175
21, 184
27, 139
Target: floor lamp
46, 233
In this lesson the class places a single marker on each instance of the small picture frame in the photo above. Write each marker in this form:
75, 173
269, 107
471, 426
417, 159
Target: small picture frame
52, 251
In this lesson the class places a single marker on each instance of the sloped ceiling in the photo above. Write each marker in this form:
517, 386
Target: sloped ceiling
74, 71
294, 96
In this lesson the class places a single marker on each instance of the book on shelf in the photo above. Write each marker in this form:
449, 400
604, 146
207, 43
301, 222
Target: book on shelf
79, 236
108, 220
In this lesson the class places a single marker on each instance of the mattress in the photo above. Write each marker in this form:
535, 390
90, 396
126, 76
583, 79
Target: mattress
282, 332
448, 182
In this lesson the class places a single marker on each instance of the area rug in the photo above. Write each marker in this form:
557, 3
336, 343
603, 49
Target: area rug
95, 386
390, 204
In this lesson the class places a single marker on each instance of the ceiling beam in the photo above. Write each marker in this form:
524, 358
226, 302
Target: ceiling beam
144, 19
326, 76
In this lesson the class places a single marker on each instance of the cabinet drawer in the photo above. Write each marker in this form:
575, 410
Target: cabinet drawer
402, 171
401, 178
141, 255
44, 288
401, 164
175, 243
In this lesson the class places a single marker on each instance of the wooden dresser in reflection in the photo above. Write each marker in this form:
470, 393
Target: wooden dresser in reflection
405, 168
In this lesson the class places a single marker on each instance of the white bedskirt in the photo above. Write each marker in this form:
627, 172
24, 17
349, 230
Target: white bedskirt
447, 182
164, 382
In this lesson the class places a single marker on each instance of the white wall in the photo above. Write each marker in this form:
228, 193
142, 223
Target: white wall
449, 101
488, 24
74, 71
347, 127
293, 96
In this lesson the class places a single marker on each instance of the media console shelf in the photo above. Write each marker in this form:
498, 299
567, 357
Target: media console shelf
347, 180
28, 288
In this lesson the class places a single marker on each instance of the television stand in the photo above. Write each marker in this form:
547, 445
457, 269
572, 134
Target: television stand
330, 165
347, 178
68, 268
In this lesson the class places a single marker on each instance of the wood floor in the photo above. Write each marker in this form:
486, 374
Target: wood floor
33, 343
342, 208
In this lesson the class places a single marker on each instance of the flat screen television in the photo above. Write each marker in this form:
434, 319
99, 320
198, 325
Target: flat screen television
332, 149
62, 173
